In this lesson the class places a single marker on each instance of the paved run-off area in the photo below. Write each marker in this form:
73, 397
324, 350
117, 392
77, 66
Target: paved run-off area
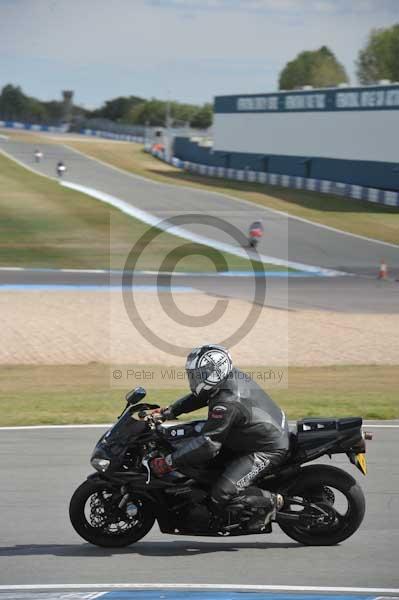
79, 327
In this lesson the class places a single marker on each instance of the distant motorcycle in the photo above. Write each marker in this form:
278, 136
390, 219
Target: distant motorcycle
61, 169
118, 505
38, 155
255, 233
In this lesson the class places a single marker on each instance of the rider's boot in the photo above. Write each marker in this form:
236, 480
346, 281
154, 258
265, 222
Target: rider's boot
257, 509
263, 514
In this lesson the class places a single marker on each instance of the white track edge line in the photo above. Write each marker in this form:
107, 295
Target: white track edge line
25, 166
155, 221
223, 195
152, 220
236, 199
200, 586
104, 425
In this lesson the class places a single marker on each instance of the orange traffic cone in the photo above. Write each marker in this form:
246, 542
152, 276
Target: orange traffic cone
383, 272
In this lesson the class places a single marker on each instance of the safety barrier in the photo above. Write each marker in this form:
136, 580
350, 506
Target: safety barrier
124, 137
34, 127
358, 192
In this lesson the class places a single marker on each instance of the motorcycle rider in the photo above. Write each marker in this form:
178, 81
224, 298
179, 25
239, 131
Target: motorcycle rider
242, 419
61, 168
38, 155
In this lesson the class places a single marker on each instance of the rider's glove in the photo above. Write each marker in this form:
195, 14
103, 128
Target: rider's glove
160, 466
164, 414
167, 413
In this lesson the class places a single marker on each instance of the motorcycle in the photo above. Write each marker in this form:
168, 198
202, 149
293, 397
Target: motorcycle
255, 234
61, 169
118, 504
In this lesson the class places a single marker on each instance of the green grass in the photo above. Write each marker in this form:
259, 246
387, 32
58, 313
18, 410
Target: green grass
43, 224
355, 216
32, 395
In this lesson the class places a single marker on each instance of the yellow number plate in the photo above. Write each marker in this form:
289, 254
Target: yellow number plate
361, 463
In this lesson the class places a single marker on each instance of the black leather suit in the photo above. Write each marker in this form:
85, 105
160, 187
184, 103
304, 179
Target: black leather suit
242, 419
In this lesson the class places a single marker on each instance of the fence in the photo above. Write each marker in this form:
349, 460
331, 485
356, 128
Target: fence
34, 127
358, 192
125, 137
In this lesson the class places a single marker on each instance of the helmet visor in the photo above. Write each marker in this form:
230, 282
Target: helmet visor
198, 376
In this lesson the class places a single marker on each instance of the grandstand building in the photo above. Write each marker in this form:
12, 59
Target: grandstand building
343, 134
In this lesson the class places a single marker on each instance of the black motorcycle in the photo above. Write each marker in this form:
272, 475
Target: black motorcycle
118, 505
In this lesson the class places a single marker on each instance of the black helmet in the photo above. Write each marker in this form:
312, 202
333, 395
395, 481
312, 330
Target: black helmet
207, 367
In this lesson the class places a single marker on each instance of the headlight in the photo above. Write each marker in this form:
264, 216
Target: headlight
100, 464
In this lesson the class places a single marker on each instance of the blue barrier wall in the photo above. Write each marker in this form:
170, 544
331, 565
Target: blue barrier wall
370, 194
34, 127
381, 175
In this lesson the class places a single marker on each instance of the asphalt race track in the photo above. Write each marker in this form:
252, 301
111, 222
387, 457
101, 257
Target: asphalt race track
285, 237
40, 468
342, 294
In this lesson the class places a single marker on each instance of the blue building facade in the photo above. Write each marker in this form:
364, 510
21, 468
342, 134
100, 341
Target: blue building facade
348, 135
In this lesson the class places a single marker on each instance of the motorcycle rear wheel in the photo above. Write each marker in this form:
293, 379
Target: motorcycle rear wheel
95, 516
317, 484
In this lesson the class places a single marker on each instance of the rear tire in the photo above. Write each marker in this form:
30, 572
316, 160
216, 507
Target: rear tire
320, 478
96, 528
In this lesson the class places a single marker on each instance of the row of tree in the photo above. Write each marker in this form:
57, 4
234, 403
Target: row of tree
133, 110
17, 106
379, 59
130, 110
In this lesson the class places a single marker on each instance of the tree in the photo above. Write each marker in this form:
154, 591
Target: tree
13, 102
318, 68
117, 109
203, 117
379, 59
148, 112
181, 113
55, 110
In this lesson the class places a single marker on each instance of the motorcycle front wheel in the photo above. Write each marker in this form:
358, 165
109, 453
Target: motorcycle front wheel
329, 502
95, 515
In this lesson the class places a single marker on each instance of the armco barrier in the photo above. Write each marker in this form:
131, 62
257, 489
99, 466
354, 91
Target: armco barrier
123, 137
34, 127
65, 128
348, 190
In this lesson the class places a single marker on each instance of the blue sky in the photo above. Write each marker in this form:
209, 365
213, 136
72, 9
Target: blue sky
189, 50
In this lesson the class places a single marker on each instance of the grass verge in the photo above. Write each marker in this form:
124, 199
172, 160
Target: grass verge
44, 225
31, 395
355, 216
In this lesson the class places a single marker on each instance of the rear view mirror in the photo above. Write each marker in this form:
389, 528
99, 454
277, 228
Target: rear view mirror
135, 395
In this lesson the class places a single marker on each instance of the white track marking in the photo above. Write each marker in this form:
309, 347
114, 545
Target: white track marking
199, 586
150, 219
106, 425
240, 200
202, 191
81, 270
14, 269
120, 272
155, 221
44, 270
25, 166
303, 220
77, 426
